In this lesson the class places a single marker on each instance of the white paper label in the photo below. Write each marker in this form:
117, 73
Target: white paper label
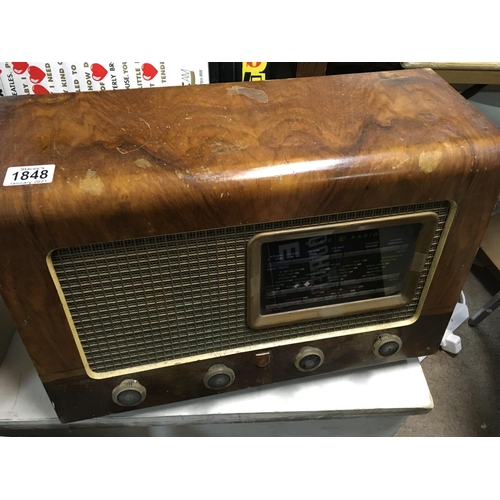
21, 176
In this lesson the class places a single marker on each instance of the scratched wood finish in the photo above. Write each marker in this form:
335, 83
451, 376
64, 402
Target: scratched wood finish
148, 162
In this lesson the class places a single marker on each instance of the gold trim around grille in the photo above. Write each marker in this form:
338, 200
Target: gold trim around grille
120, 303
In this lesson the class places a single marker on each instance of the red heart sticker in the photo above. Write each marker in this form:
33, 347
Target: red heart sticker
36, 74
40, 89
20, 67
98, 72
148, 71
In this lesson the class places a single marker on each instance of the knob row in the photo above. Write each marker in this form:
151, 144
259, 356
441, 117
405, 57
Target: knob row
131, 392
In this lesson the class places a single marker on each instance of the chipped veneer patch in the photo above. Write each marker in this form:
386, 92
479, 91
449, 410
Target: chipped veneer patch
255, 94
218, 148
92, 183
429, 161
143, 163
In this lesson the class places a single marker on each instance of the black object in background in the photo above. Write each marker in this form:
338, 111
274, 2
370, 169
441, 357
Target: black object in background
233, 71
239, 72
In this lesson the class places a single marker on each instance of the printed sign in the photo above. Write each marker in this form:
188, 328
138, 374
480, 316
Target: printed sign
18, 78
253, 71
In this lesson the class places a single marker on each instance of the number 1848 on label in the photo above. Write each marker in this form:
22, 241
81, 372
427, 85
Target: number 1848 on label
20, 176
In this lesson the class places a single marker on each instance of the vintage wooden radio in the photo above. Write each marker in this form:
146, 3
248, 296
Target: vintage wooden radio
172, 243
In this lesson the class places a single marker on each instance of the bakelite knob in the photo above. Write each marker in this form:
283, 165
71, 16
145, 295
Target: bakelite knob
309, 358
387, 345
218, 377
128, 393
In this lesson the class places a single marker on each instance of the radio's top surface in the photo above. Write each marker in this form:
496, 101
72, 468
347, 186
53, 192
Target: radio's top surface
224, 149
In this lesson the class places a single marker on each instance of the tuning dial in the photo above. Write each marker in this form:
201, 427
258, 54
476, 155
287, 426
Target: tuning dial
129, 393
218, 377
387, 345
308, 359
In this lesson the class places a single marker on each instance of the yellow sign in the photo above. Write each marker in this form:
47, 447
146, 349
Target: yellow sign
253, 71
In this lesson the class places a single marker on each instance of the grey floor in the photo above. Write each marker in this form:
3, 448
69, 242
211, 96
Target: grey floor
465, 387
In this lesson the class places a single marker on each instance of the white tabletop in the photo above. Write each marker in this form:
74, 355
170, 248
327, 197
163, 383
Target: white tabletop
389, 389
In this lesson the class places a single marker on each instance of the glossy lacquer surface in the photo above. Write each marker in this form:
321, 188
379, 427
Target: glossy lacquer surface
148, 162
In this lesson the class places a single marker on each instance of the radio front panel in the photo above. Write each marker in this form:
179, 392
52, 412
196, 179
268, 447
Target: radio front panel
148, 302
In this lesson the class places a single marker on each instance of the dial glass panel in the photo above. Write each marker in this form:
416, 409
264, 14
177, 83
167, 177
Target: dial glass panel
335, 268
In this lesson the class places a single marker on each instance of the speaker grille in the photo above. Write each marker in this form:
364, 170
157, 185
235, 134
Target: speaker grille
150, 300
